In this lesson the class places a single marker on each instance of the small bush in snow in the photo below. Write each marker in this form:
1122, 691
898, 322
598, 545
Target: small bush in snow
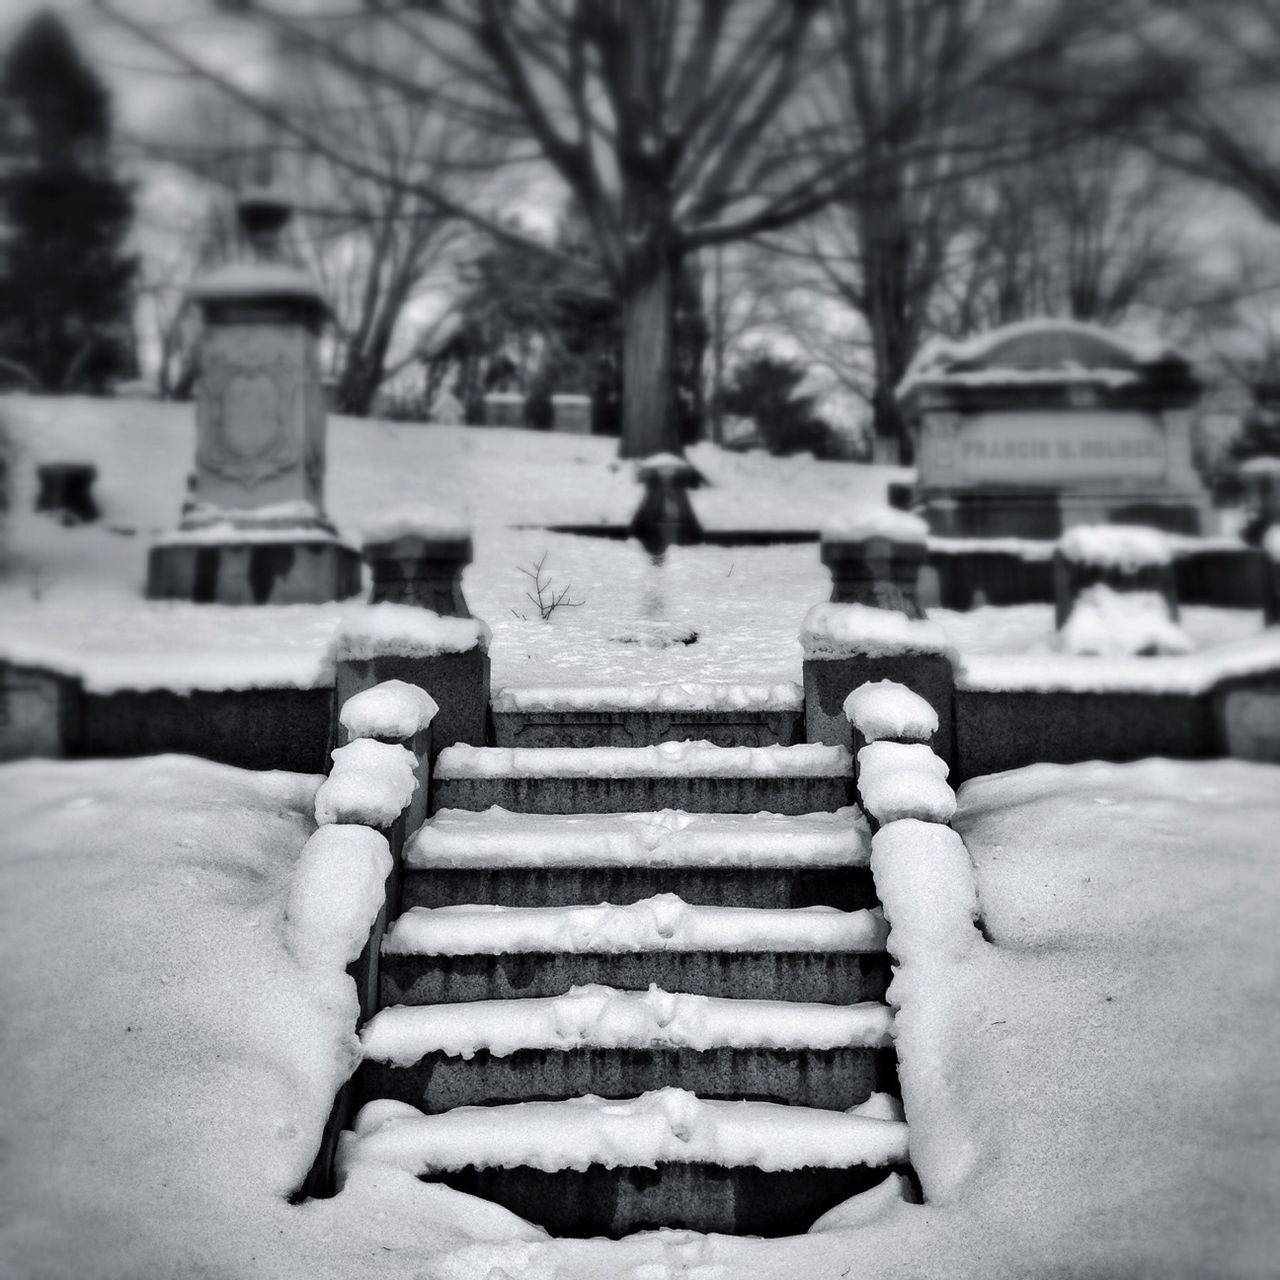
544, 596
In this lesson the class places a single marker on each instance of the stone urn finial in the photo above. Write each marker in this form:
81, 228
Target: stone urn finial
263, 213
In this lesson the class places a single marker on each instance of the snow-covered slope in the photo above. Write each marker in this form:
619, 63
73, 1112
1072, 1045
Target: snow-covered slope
1113, 1060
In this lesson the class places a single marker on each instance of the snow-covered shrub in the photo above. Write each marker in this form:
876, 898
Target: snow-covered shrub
1109, 623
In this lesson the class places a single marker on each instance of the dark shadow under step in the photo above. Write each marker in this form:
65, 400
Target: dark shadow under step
849, 888
699, 1197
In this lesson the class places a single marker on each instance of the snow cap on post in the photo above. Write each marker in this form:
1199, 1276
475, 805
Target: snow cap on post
876, 522
904, 780
405, 630
337, 890
1116, 546
886, 709
392, 711
832, 630
371, 783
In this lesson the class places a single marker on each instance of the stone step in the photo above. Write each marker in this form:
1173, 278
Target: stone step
636, 716
742, 860
587, 1167
692, 776
618, 1044
846, 977
831, 1079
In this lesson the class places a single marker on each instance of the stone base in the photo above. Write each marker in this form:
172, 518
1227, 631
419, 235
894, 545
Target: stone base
459, 682
829, 681
991, 512
308, 571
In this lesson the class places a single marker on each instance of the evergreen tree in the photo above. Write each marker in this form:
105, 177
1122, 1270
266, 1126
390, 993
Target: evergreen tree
766, 388
65, 280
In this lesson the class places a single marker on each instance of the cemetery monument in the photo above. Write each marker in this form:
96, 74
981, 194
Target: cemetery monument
254, 530
1043, 425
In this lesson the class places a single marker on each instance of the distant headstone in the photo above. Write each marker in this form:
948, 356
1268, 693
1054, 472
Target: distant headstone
1040, 426
504, 409
253, 529
447, 410
33, 712
571, 414
1250, 720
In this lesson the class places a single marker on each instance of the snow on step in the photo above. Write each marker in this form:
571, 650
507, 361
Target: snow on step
689, 696
664, 760
661, 923
664, 1126
602, 1017
371, 783
496, 837
886, 709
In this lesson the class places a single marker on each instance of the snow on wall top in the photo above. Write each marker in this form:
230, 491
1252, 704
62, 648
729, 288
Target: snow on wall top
1116, 546
665, 759
686, 696
606, 1018
664, 1126
876, 522
336, 891
408, 630
663, 922
663, 838
838, 630
372, 782
415, 520
887, 709
1190, 673
393, 709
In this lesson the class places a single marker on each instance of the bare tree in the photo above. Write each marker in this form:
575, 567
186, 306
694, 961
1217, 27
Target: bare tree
673, 123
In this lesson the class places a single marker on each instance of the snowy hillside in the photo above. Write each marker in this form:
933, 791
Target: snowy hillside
72, 597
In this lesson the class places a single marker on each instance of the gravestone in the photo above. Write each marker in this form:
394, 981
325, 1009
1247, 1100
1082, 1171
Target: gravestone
1040, 426
253, 529
571, 414
504, 409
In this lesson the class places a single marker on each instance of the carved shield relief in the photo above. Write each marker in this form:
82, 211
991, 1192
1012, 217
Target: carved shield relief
250, 415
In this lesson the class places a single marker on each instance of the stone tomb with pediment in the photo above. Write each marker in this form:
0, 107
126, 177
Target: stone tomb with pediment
1036, 427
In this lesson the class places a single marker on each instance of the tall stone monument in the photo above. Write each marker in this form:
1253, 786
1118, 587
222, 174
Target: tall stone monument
253, 530
1040, 426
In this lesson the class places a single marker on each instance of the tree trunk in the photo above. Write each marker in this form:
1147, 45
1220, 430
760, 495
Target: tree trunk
648, 314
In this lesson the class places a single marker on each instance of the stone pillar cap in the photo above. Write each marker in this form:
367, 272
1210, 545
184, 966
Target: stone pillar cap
664, 464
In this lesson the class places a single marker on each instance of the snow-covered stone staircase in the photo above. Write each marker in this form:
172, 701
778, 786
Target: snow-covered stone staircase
633, 987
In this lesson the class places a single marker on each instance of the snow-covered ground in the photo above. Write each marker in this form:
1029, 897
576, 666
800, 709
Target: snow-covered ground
72, 597
1112, 1059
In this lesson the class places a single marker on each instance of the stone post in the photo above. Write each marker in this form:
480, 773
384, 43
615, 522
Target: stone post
571, 414
1271, 548
420, 570
879, 571
1125, 559
873, 628
504, 409
417, 627
665, 517
253, 529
